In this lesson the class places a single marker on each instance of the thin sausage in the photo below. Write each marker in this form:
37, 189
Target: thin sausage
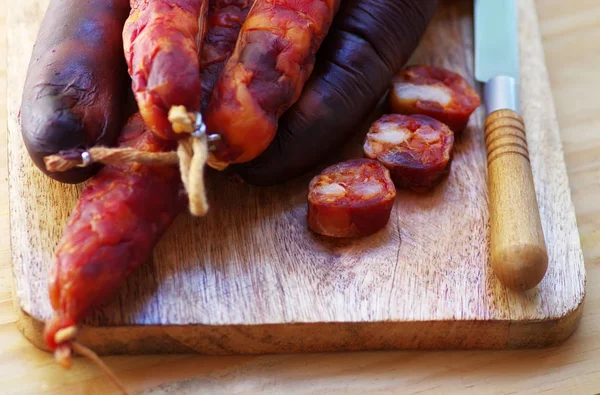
272, 60
161, 41
351, 199
113, 229
416, 149
436, 92
76, 86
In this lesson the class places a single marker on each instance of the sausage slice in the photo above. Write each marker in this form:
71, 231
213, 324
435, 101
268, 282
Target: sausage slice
351, 199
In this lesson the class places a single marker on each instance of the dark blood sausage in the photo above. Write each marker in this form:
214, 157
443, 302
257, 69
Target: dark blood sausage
351, 199
416, 149
121, 215
272, 60
225, 19
161, 42
436, 92
368, 42
76, 86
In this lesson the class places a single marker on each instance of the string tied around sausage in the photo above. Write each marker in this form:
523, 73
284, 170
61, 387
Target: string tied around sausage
66, 344
192, 155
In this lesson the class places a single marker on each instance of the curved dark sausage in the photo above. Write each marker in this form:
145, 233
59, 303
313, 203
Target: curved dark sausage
368, 42
76, 86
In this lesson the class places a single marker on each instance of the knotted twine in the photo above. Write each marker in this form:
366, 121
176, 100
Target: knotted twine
191, 155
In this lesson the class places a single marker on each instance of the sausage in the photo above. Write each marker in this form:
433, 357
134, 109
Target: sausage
416, 149
225, 19
436, 92
161, 43
368, 42
351, 199
113, 229
76, 86
272, 60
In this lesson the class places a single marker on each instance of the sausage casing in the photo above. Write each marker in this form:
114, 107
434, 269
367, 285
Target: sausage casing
76, 86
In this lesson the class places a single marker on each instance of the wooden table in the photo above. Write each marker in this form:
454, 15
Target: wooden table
573, 62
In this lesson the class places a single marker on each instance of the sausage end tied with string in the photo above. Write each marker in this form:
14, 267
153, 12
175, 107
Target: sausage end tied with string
192, 155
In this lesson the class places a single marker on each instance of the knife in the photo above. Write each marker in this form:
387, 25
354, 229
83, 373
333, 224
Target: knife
518, 251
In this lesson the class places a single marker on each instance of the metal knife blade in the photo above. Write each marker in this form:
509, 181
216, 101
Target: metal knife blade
496, 39
497, 52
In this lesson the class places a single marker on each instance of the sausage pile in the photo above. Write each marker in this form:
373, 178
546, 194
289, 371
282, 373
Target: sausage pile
109, 72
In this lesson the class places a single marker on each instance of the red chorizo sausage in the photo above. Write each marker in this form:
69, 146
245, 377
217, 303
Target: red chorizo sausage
436, 92
161, 41
225, 19
368, 42
351, 199
416, 149
113, 229
76, 86
273, 58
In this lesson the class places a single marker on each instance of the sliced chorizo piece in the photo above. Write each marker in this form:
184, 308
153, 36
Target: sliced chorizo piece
75, 91
119, 218
351, 199
416, 149
436, 92
161, 41
273, 58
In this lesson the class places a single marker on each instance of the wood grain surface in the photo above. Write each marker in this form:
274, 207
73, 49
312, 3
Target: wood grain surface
251, 278
570, 367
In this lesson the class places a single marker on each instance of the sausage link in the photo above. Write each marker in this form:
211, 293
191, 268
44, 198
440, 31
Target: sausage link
273, 58
225, 19
161, 42
416, 149
369, 41
435, 92
75, 91
113, 229
351, 199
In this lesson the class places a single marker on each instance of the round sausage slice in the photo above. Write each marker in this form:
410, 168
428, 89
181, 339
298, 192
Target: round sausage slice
432, 91
416, 149
351, 199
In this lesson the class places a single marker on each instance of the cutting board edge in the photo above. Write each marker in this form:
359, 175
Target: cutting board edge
240, 339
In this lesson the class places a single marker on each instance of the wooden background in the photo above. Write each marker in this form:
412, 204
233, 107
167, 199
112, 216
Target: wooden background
573, 366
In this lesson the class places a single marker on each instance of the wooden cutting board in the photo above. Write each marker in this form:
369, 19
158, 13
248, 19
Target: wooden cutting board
250, 277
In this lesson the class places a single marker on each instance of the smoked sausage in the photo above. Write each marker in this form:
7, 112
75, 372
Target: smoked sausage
436, 92
272, 60
225, 19
369, 41
416, 149
113, 229
161, 40
351, 199
76, 87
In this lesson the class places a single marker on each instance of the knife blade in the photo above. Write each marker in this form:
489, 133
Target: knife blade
518, 253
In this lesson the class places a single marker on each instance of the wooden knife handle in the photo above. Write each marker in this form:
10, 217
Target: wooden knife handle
518, 251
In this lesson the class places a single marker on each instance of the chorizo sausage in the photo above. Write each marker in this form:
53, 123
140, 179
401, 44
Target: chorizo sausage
161, 41
351, 199
368, 42
225, 19
113, 229
416, 149
436, 92
273, 58
76, 86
